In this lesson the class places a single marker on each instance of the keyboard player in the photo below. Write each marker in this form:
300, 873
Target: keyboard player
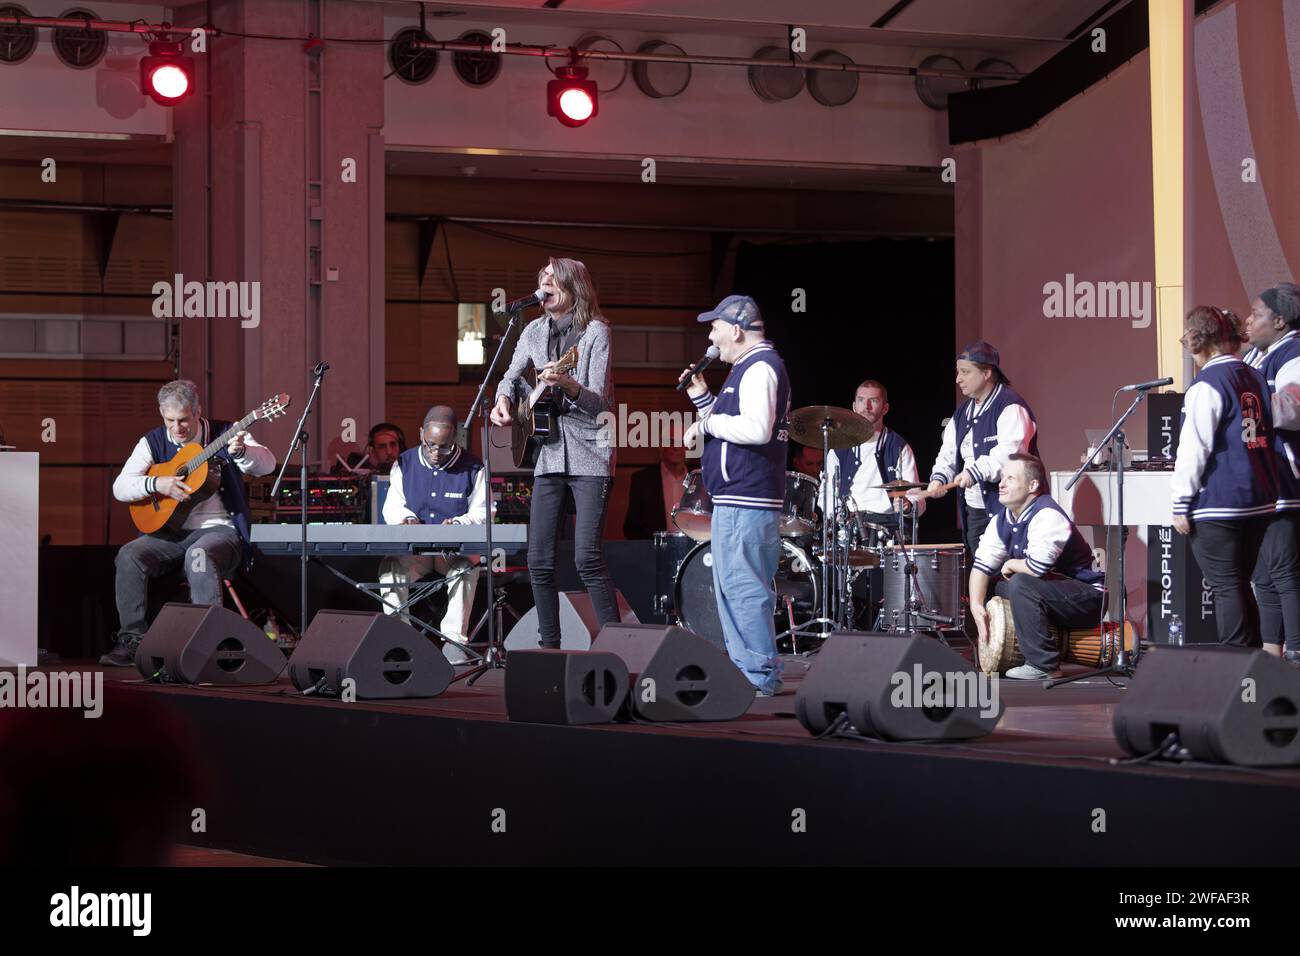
436, 482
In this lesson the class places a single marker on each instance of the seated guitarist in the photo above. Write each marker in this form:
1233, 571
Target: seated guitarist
577, 461
209, 537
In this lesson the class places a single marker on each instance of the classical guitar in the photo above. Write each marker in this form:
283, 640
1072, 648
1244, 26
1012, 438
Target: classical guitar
535, 413
191, 465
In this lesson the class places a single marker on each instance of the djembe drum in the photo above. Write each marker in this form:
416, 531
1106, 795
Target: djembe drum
1091, 646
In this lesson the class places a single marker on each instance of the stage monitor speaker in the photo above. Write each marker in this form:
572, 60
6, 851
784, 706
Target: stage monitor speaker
578, 625
897, 687
1225, 704
565, 687
204, 644
384, 657
676, 675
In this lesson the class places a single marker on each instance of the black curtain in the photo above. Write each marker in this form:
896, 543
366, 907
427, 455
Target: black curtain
879, 309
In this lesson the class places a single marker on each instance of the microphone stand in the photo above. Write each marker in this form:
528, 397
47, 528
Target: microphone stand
1121, 665
494, 656
300, 442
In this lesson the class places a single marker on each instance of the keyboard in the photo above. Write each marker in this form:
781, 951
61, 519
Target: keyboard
362, 539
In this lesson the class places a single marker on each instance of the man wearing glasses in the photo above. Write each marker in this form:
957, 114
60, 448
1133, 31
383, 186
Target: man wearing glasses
436, 482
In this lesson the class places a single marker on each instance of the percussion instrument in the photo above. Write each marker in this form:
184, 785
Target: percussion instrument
936, 586
1090, 646
693, 515
696, 603
799, 513
671, 549
844, 428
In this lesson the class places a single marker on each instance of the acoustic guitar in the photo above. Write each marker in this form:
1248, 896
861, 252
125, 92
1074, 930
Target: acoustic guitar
190, 464
535, 413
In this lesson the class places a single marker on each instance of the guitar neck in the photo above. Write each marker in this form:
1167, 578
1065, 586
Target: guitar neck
222, 440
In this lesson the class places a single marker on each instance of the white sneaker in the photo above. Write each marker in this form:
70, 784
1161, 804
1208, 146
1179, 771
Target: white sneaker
454, 654
1030, 672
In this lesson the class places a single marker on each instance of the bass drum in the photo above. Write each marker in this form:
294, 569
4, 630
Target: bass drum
697, 604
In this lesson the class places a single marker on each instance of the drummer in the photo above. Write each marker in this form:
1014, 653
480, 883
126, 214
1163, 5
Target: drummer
1042, 566
856, 474
993, 424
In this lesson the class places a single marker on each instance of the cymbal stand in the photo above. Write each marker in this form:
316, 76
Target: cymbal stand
824, 624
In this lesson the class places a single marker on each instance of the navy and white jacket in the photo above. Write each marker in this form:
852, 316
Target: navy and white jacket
1280, 366
1225, 468
999, 427
418, 490
1045, 537
855, 472
748, 422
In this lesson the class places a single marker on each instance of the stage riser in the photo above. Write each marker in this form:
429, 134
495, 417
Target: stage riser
337, 783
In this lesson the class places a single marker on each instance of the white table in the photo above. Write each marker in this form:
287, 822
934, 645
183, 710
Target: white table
20, 515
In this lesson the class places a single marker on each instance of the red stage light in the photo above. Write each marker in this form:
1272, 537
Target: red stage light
165, 75
571, 99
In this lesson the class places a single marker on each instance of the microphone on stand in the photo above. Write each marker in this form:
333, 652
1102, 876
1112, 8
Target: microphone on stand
699, 367
1147, 386
537, 298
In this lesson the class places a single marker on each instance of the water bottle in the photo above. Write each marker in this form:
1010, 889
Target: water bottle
1175, 631
271, 628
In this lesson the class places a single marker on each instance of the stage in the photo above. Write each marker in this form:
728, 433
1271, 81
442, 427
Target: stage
450, 781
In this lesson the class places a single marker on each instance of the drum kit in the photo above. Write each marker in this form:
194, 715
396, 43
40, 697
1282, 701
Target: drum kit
823, 555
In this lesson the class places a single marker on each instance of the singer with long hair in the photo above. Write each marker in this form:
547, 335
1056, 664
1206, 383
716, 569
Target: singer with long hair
578, 461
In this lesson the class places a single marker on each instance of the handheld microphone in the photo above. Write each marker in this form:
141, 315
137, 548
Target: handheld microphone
1146, 386
537, 298
699, 367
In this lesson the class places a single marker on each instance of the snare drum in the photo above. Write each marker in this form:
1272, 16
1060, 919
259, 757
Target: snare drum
936, 588
799, 514
1088, 646
693, 515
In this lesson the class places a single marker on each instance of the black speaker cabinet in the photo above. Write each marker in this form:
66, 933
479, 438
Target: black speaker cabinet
1227, 705
897, 688
564, 687
578, 625
202, 644
382, 655
676, 675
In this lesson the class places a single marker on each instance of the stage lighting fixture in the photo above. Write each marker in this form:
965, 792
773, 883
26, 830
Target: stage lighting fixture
165, 75
571, 99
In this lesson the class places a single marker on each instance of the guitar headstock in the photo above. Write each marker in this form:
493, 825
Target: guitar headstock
568, 361
273, 407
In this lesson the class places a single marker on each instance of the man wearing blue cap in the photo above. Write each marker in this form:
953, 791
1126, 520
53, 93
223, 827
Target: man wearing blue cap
744, 472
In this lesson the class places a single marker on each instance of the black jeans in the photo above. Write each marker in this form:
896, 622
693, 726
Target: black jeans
974, 521
1277, 581
591, 497
1226, 552
153, 555
1037, 603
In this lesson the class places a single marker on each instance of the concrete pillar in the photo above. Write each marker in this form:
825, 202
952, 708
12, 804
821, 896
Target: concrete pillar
261, 196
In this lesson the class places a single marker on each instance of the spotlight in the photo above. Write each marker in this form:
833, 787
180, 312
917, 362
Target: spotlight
165, 75
571, 99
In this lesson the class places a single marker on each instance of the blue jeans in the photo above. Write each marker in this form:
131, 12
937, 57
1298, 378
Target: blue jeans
746, 551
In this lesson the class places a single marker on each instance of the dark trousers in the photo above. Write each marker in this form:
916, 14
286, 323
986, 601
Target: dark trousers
591, 498
974, 521
1226, 552
1277, 581
206, 555
1038, 603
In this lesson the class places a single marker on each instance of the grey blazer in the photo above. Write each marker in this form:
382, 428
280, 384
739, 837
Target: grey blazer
582, 447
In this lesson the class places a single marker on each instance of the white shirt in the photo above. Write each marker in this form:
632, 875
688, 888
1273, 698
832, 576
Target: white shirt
1049, 533
131, 484
1015, 430
396, 511
758, 412
865, 496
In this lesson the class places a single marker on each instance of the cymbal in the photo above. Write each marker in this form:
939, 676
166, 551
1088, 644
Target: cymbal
845, 429
901, 485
